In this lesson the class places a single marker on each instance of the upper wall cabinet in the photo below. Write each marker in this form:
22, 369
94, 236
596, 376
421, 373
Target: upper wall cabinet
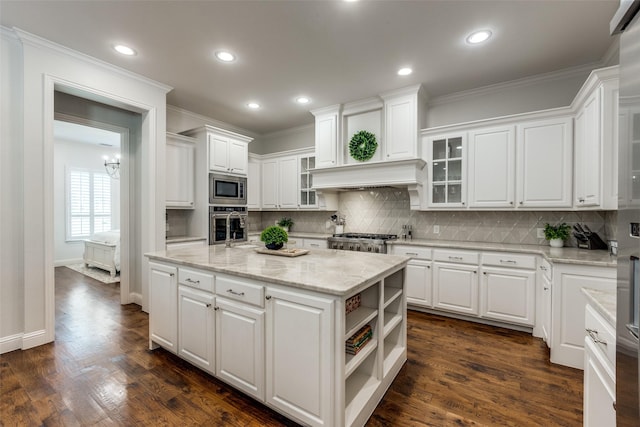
327, 136
254, 188
596, 141
403, 111
180, 172
544, 163
447, 170
227, 151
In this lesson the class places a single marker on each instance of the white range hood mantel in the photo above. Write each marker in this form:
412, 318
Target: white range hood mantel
409, 173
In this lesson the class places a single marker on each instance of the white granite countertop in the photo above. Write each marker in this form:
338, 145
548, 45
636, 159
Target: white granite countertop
604, 302
599, 258
322, 270
180, 239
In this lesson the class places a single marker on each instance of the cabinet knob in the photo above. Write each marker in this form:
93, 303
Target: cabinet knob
428, 266
216, 308
484, 272
475, 272
546, 288
462, 203
511, 203
521, 203
208, 305
268, 297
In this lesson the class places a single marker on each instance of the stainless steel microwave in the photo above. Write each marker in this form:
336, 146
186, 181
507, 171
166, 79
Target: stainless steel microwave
227, 190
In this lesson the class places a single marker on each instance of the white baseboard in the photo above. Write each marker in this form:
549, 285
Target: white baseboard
34, 339
136, 298
10, 343
65, 262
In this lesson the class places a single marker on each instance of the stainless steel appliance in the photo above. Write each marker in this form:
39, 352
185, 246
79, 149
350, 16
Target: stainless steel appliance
627, 405
227, 190
363, 242
219, 216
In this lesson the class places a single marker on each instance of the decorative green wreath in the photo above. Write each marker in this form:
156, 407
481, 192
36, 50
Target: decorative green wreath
363, 145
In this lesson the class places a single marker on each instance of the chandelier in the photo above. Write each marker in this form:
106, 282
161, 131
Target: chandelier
112, 166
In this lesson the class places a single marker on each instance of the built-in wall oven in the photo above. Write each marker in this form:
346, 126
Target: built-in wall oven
227, 190
218, 217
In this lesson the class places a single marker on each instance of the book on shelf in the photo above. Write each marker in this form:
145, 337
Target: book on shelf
358, 340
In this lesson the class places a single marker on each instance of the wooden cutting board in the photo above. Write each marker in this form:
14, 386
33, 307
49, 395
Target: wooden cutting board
283, 252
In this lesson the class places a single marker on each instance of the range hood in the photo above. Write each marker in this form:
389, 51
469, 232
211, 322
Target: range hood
410, 174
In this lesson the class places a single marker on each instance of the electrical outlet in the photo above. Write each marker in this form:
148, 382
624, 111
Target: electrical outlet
436, 229
540, 232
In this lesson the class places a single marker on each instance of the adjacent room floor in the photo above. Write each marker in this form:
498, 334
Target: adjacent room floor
100, 372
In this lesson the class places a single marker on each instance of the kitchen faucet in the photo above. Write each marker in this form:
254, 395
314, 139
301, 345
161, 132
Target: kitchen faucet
227, 240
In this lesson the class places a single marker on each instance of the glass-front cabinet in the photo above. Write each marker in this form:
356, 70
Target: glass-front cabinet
307, 194
447, 166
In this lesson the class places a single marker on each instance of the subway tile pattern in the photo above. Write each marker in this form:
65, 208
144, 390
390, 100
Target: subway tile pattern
385, 210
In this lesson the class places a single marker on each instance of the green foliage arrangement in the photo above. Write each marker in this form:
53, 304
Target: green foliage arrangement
274, 235
285, 222
363, 145
556, 231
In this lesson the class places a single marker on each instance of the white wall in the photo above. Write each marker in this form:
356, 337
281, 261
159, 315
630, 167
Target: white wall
288, 139
72, 154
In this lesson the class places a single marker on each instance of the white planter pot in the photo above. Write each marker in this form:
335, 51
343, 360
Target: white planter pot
556, 243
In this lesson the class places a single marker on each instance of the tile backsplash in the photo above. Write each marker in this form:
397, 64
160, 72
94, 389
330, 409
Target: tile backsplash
385, 210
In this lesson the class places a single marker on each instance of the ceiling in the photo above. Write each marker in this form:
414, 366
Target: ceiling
330, 51
68, 131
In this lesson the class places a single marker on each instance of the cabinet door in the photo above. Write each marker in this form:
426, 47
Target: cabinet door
447, 171
270, 184
300, 355
455, 288
179, 185
492, 167
546, 310
288, 183
599, 390
544, 163
417, 277
587, 153
326, 140
569, 303
240, 346
253, 185
308, 197
401, 128
238, 157
196, 327
218, 153
163, 306
508, 295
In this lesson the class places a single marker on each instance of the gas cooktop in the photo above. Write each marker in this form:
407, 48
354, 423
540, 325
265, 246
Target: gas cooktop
366, 236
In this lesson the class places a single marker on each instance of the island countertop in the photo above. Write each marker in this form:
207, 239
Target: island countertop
322, 270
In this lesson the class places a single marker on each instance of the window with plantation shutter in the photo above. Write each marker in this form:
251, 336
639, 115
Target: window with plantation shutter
88, 203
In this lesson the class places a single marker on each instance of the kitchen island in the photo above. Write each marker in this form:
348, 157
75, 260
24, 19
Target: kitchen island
276, 327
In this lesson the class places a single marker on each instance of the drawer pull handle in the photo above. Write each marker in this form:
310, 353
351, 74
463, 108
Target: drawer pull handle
268, 297
232, 292
455, 258
508, 261
314, 245
411, 253
594, 336
195, 282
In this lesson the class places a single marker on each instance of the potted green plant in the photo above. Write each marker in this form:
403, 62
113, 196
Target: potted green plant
285, 223
556, 234
274, 237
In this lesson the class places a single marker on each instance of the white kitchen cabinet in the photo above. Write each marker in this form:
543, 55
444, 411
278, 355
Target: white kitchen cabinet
418, 277
402, 112
326, 135
163, 306
447, 170
254, 188
180, 172
240, 346
545, 309
196, 327
455, 281
568, 305
544, 163
492, 161
596, 141
307, 195
508, 295
280, 183
299, 377
599, 372
227, 151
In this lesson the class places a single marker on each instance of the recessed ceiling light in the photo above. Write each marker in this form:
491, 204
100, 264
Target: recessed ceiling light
479, 37
125, 50
253, 105
225, 56
303, 100
404, 71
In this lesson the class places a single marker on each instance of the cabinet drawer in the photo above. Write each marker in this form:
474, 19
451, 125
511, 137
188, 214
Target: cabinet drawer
599, 331
504, 259
231, 288
196, 279
411, 251
462, 257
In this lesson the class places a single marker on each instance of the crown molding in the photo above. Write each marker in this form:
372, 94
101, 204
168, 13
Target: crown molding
29, 39
8, 32
525, 81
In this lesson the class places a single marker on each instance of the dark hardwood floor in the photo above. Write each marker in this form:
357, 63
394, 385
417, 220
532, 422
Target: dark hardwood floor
99, 372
